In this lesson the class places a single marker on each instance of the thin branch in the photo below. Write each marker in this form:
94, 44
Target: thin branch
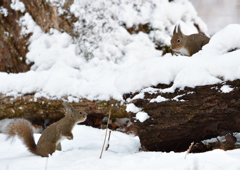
189, 150
105, 134
46, 165
108, 141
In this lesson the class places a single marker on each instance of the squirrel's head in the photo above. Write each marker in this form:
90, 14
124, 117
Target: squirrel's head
178, 40
76, 115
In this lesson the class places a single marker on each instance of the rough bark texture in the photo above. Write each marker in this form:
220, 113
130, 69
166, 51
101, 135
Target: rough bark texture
198, 113
14, 46
37, 110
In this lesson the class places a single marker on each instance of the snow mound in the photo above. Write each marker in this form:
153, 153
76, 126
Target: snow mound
226, 89
132, 108
203, 68
142, 116
84, 150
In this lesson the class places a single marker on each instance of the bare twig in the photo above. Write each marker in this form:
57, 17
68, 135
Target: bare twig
221, 145
108, 141
105, 134
189, 149
46, 165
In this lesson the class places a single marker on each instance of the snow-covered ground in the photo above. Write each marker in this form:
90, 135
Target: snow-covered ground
84, 150
106, 62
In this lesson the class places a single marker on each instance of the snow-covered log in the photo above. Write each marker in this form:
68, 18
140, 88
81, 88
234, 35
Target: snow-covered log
78, 48
43, 111
193, 114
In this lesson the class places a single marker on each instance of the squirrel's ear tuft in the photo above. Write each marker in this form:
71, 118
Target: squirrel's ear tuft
67, 106
174, 31
69, 109
179, 30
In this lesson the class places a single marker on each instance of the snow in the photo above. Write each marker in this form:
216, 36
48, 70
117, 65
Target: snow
142, 116
132, 108
158, 99
84, 150
138, 96
56, 2
88, 66
29, 26
3, 11
203, 68
106, 61
17, 5
226, 89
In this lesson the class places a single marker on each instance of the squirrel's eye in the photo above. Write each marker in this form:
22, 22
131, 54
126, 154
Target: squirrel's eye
80, 113
178, 41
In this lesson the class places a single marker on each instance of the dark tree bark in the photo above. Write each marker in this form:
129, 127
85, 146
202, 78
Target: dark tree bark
205, 113
14, 46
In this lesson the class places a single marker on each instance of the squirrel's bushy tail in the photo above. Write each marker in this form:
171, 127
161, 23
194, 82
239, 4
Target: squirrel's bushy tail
23, 129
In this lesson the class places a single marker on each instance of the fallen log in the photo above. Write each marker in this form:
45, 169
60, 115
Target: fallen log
188, 115
38, 110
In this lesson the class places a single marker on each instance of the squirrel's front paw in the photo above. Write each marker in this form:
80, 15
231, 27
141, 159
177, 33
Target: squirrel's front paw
70, 137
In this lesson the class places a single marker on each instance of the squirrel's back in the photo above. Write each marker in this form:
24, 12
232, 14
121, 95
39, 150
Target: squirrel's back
195, 46
187, 44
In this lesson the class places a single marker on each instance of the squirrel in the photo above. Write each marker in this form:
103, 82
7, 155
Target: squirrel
187, 45
51, 137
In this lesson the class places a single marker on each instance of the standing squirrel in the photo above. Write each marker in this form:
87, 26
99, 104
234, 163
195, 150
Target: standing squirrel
50, 139
187, 45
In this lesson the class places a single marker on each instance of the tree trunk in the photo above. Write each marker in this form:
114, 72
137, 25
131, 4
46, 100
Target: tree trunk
37, 110
13, 50
13, 45
196, 114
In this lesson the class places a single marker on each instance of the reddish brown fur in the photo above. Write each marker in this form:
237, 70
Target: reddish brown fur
23, 129
192, 43
50, 139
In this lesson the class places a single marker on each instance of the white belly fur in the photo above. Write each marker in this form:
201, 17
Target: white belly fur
62, 138
183, 51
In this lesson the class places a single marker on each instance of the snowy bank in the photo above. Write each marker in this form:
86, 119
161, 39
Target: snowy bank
204, 68
84, 150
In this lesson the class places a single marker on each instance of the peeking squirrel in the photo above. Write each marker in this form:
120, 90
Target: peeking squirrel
50, 139
187, 45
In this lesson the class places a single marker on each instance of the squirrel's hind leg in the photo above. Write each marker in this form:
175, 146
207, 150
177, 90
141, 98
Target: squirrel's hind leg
46, 148
59, 147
